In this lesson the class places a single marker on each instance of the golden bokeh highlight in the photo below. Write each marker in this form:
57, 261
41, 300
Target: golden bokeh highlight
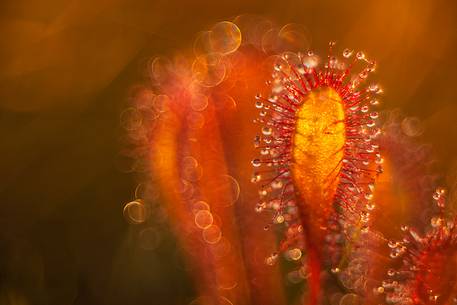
161, 103
228, 185
195, 120
199, 102
225, 37
203, 219
160, 69
295, 254
294, 37
131, 119
200, 205
136, 212
212, 234
209, 70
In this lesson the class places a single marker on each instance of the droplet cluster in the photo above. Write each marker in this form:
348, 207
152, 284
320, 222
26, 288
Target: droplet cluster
428, 261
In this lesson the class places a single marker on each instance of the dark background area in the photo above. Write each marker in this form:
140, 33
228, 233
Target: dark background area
66, 70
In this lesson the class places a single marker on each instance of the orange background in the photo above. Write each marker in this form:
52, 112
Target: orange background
66, 70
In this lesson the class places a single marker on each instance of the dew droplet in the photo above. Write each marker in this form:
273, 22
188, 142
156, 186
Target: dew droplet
363, 74
258, 105
255, 177
258, 208
436, 221
374, 102
277, 184
264, 151
360, 55
374, 115
279, 219
272, 259
267, 131
347, 53
295, 254
256, 162
373, 87
392, 244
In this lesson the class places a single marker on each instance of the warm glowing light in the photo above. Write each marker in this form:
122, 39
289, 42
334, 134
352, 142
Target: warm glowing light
318, 147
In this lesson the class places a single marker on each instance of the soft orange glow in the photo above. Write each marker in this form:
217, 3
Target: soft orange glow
128, 139
182, 179
318, 148
316, 162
